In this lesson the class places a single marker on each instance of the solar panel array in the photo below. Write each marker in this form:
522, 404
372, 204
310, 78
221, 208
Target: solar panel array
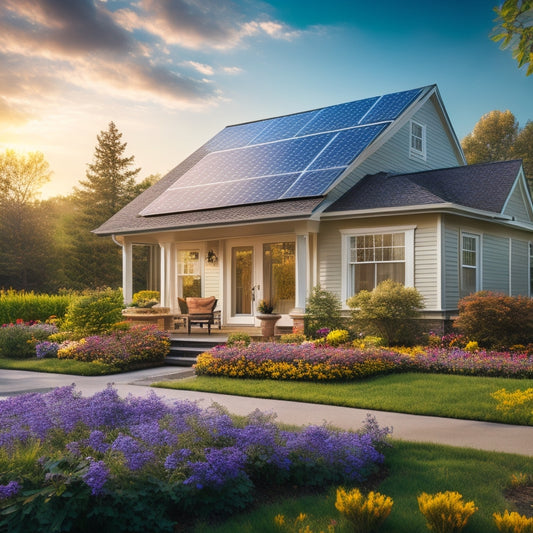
294, 156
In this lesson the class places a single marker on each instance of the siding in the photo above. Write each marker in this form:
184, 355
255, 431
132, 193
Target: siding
517, 206
495, 264
519, 267
450, 256
425, 262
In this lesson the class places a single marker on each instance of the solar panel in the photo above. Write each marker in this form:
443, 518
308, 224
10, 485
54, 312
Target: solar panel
292, 156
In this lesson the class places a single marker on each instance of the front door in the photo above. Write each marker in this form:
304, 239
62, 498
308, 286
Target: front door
242, 284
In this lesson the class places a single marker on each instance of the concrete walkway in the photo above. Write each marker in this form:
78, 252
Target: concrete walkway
465, 433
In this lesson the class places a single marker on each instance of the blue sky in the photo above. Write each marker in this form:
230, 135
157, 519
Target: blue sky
172, 73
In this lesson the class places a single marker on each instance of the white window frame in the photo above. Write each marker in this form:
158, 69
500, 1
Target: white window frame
409, 244
476, 267
530, 269
416, 152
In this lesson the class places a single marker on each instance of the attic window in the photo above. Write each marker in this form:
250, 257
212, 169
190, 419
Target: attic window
417, 146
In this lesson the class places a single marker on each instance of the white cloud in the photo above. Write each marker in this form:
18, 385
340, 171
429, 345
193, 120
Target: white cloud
207, 70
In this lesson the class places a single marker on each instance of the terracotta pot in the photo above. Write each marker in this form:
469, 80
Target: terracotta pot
268, 323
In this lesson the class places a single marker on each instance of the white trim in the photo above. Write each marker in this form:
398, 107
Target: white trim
409, 257
415, 153
510, 288
440, 260
477, 240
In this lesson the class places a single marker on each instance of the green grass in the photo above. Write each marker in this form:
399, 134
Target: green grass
57, 366
464, 397
413, 468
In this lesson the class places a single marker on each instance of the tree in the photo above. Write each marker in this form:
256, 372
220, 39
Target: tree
515, 29
498, 137
96, 261
26, 246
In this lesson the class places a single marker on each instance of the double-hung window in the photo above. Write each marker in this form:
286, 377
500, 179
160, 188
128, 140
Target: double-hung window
469, 263
417, 142
373, 257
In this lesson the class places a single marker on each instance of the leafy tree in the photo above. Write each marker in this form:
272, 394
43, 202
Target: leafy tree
322, 310
515, 29
96, 261
26, 248
498, 137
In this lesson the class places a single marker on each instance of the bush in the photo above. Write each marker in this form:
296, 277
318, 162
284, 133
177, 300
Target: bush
513, 522
238, 339
94, 312
17, 341
292, 338
122, 350
31, 307
323, 310
389, 311
104, 463
495, 320
145, 299
445, 512
337, 337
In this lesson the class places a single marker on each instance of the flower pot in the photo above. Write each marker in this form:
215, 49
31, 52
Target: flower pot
268, 322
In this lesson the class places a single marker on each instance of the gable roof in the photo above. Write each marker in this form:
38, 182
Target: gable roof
484, 186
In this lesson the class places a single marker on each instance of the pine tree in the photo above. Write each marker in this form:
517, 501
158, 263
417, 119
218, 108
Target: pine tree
109, 185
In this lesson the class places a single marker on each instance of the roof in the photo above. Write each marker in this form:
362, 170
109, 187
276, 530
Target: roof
484, 186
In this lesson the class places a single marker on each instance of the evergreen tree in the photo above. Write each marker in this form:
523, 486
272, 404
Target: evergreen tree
96, 261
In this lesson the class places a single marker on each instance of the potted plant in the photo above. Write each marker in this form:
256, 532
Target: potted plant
268, 318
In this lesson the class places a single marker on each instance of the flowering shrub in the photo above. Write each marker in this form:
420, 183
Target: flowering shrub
292, 338
517, 402
296, 362
120, 349
513, 522
364, 514
84, 463
445, 512
337, 337
311, 362
46, 349
17, 341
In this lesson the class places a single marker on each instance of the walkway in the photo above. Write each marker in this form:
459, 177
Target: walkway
465, 433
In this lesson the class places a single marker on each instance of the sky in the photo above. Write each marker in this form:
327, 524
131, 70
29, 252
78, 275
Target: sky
172, 73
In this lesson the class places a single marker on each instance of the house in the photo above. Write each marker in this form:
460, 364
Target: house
344, 196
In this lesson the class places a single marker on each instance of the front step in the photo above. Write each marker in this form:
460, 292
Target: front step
183, 352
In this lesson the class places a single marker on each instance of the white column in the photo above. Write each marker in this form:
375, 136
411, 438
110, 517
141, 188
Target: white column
168, 275
302, 269
127, 271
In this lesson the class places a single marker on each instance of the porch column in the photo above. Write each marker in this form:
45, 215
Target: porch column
127, 271
168, 275
302, 268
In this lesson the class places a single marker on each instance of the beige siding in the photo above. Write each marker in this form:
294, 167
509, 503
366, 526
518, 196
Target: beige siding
517, 205
426, 263
519, 267
495, 263
450, 255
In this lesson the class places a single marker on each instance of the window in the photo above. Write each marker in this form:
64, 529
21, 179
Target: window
375, 257
189, 274
417, 146
469, 264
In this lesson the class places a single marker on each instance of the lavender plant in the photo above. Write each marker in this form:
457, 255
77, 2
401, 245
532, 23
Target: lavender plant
91, 460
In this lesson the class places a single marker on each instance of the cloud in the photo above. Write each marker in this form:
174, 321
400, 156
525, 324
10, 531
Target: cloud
52, 49
9, 115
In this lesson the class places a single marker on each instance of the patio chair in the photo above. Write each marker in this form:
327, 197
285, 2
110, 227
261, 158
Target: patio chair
201, 311
183, 317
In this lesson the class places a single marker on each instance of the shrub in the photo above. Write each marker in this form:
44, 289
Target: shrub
292, 338
364, 514
388, 311
143, 464
495, 320
238, 339
145, 299
94, 312
513, 522
17, 341
323, 310
122, 350
515, 403
31, 307
445, 512
337, 337
46, 349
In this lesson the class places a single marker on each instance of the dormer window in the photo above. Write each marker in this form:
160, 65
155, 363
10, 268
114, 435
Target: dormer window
417, 147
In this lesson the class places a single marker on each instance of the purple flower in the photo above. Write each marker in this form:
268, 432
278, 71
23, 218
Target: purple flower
9, 490
96, 476
97, 441
177, 458
134, 454
46, 349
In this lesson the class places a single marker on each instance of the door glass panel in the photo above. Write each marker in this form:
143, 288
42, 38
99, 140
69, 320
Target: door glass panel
279, 263
242, 282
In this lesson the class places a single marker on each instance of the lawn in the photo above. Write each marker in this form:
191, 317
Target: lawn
57, 366
413, 468
452, 396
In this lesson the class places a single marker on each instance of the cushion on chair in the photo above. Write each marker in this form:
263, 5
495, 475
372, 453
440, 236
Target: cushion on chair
201, 306
184, 309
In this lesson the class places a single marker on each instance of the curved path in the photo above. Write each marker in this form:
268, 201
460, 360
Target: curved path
481, 435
